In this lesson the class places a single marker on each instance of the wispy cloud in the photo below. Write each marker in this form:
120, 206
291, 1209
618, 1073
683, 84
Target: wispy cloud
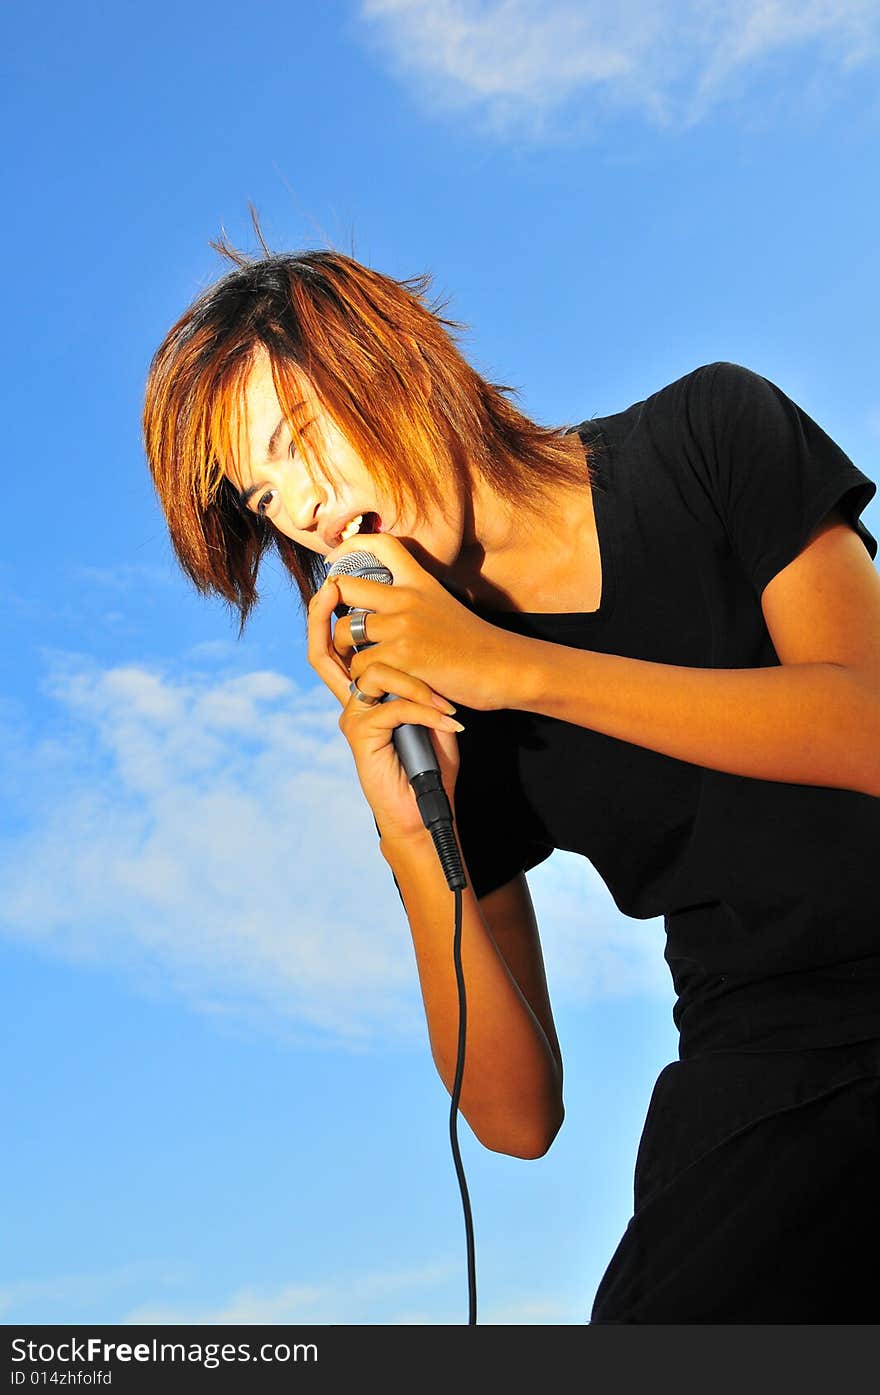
375, 1297
409, 1297
591, 950
521, 64
416, 1296
122, 576
79, 1290
206, 834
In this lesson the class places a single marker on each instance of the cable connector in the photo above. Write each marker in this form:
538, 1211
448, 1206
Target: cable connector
437, 817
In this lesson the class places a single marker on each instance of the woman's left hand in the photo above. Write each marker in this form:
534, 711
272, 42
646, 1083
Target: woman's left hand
415, 626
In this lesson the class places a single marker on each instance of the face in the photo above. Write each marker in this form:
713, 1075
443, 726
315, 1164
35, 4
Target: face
273, 480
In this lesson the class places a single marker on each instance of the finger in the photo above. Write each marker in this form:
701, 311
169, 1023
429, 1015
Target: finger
342, 635
342, 638
385, 716
364, 594
320, 652
385, 546
375, 679
345, 651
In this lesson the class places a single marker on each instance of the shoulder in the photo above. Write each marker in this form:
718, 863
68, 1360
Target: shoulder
712, 410
718, 382
702, 392
687, 409
723, 406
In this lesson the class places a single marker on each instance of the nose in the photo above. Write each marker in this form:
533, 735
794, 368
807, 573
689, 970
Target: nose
305, 518
304, 506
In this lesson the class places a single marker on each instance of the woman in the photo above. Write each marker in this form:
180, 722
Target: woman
662, 631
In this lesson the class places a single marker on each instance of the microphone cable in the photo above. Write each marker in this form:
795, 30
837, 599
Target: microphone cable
453, 1113
437, 818
436, 815
417, 755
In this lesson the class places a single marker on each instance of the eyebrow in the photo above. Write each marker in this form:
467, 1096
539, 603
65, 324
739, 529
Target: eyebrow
273, 439
297, 406
245, 498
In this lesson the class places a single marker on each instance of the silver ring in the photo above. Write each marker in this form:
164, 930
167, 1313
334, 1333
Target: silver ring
359, 626
362, 697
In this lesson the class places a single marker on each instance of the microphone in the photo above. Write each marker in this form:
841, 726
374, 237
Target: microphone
412, 742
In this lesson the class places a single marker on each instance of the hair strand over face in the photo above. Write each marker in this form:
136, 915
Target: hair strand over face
383, 364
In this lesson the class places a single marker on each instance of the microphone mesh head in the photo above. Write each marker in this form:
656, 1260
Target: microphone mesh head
363, 564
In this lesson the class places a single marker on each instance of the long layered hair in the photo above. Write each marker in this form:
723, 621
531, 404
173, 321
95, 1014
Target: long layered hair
382, 363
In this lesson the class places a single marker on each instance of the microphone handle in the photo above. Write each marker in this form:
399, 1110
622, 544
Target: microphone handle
415, 751
413, 744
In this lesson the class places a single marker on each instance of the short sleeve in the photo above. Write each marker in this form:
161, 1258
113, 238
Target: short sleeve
774, 472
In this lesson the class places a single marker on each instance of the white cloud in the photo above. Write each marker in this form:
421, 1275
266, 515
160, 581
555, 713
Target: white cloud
380, 1297
590, 949
76, 1289
122, 576
346, 1298
521, 62
207, 834
406, 1297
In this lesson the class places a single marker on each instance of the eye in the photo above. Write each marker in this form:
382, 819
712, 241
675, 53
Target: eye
263, 502
291, 449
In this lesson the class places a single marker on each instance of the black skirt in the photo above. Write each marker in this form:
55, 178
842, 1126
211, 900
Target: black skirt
756, 1194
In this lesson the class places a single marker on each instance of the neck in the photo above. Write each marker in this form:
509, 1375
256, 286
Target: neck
508, 552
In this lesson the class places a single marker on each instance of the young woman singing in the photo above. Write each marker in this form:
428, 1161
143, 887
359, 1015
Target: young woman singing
660, 629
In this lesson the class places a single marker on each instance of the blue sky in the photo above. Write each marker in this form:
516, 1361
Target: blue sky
219, 1096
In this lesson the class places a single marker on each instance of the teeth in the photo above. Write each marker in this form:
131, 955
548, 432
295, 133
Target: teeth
352, 528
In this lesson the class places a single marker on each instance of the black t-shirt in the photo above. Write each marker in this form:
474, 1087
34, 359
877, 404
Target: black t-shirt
705, 490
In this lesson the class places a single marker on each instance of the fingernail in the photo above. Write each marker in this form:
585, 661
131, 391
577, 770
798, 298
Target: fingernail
443, 705
455, 726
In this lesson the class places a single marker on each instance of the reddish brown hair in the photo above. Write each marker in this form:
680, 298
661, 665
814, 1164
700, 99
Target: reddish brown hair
368, 345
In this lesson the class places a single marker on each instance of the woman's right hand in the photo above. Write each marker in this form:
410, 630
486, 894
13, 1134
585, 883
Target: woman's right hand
368, 729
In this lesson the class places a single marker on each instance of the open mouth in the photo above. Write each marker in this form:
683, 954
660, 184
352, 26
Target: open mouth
364, 523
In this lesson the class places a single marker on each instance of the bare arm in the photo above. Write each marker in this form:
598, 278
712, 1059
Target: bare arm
512, 1085
813, 720
511, 1092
